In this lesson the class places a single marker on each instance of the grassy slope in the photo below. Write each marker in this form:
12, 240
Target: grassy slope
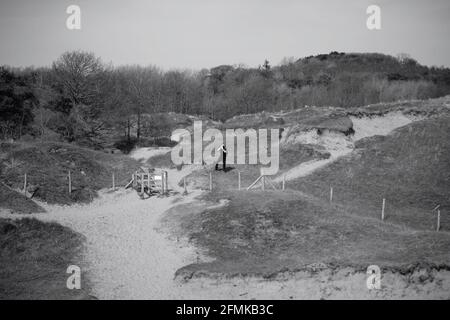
289, 157
14, 201
265, 232
299, 120
430, 107
303, 119
47, 165
410, 168
34, 257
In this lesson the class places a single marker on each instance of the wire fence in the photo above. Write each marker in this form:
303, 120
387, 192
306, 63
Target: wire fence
264, 183
144, 182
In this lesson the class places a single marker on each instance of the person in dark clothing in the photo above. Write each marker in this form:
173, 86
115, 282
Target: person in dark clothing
223, 156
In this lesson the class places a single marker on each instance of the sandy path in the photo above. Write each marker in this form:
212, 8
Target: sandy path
126, 257
338, 145
143, 154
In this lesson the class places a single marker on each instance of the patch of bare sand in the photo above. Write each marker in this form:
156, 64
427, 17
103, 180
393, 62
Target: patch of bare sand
339, 145
380, 125
143, 154
326, 284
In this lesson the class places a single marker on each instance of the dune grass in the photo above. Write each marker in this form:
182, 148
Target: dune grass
16, 202
409, 168
161, 161
47, 165
289, 156
431, 107
34, 257
262, 233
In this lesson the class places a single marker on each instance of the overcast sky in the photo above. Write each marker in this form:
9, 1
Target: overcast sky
205, 33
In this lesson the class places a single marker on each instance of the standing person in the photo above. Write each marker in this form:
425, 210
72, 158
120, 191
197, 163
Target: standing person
223, 149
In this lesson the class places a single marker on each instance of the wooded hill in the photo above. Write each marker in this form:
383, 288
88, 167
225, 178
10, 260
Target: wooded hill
84, 100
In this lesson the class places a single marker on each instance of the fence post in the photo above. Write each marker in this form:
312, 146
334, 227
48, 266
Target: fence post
263, 182
70, 183
239, 180
25, 184
166, 183
113, 182
184, 183
382, 209
254, 183
438, 220
284, 182
210, 181
331, 194
142, 183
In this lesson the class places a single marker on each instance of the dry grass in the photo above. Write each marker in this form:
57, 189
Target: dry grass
267, 232
430, 107
223, 181
410, 168
34, 257
16, 202
161, 161
47, 165
289, 156
302, 119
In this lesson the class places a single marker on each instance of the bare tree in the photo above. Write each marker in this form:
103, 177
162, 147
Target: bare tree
79, 73
81, 77
141, 88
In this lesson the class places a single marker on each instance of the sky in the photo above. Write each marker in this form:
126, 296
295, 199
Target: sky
195, 34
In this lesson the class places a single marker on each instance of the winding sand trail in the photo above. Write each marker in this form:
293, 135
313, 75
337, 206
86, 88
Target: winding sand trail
125, 256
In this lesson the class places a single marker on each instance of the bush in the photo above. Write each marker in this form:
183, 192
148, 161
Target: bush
126, 145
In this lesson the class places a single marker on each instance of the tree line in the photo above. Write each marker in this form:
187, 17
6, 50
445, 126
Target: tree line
80, 98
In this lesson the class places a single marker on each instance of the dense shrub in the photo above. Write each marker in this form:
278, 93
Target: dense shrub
126, 145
